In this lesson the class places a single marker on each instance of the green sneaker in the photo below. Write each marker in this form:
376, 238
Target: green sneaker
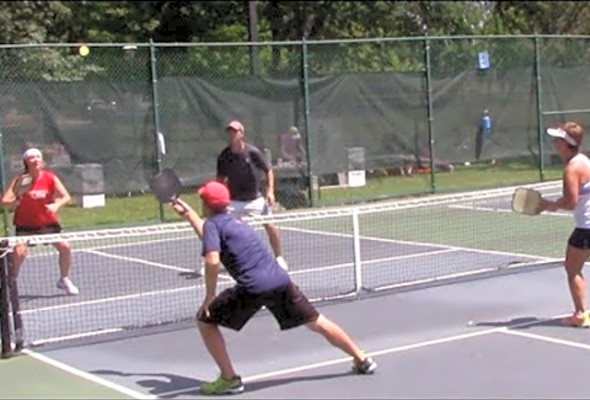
223, 386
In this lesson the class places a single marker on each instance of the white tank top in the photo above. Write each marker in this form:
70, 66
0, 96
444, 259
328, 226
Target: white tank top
582, 209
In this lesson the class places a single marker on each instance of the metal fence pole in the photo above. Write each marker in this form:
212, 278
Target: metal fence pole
430, 117
539, 108
306, 113
156, 115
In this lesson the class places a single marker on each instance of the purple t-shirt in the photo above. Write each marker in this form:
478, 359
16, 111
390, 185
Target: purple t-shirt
243, 254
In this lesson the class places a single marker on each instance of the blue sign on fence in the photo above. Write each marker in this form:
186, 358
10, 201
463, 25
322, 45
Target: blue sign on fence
483, 60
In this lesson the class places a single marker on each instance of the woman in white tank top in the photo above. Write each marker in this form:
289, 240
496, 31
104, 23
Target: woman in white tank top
576, 197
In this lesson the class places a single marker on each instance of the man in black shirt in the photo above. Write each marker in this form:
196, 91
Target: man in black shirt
241, 166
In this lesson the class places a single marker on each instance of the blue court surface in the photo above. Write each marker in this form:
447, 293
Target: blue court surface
485, 338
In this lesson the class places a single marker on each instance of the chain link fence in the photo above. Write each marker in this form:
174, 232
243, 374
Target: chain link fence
376, 118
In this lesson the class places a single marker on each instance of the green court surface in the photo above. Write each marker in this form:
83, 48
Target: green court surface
493, 229
28, 377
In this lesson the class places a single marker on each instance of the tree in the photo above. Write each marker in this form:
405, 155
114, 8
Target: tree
542, 17
32, 21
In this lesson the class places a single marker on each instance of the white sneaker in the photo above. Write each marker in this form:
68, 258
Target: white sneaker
282, 263
67, 285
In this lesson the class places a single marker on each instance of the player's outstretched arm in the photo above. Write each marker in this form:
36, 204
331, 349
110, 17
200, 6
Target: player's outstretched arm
183, 209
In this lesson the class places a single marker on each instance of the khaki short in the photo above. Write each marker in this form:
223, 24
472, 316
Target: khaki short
252, 208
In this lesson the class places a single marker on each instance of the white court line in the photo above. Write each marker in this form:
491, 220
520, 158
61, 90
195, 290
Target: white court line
53, 252
396, 241
504, 210
548, 339
444, 249
88, 376
299, 272
477, 208
106, 300
391, 350
117, 298
75, 336
463, 274
139, 261
228, 278
372, 261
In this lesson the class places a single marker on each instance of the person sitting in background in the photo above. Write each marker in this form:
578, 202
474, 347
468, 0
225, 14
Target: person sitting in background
35, 213
292, 146
292, 149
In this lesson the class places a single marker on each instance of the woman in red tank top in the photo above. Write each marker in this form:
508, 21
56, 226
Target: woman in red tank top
35, 213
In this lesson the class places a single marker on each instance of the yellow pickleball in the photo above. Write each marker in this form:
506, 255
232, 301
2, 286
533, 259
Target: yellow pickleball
83, 50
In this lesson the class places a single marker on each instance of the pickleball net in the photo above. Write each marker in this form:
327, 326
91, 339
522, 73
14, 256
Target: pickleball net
137, 277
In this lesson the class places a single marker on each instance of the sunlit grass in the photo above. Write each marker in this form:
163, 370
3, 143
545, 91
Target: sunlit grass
145, 209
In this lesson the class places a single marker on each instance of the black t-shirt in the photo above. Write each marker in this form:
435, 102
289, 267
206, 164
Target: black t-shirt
243, 172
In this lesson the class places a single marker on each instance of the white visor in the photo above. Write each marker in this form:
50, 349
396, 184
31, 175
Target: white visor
32, 152
560, 133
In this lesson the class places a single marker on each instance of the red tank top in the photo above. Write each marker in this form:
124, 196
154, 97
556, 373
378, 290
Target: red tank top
31, 211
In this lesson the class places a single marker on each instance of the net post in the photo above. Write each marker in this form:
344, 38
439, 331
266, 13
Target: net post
5, 332
14, 301
356, 242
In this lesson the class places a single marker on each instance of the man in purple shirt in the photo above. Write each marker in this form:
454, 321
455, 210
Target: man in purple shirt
260, 281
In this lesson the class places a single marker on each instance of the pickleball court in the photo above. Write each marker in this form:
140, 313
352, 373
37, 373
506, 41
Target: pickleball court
433, 327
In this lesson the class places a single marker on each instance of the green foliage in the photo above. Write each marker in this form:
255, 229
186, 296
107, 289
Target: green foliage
227, 21
32, 21
542, 17
29, 22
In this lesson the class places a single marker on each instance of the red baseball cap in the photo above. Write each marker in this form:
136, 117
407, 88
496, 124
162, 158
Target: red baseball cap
215, 195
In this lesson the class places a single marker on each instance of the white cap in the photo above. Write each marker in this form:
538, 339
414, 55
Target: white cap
236, 125
294, 132
560, 133
31, 153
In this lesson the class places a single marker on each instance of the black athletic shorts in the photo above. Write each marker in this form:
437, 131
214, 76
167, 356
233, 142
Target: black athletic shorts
234, 307
30, 231
580, 238
45, 230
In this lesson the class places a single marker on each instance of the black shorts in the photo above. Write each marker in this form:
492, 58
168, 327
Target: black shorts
45, 230
580, 238
233, 307
30, 231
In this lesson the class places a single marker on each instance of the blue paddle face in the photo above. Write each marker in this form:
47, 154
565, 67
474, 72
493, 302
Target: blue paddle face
166, 186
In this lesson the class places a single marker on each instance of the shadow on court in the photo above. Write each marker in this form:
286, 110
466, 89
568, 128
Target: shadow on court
171, 386
31, 297
161, 382
522, 323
